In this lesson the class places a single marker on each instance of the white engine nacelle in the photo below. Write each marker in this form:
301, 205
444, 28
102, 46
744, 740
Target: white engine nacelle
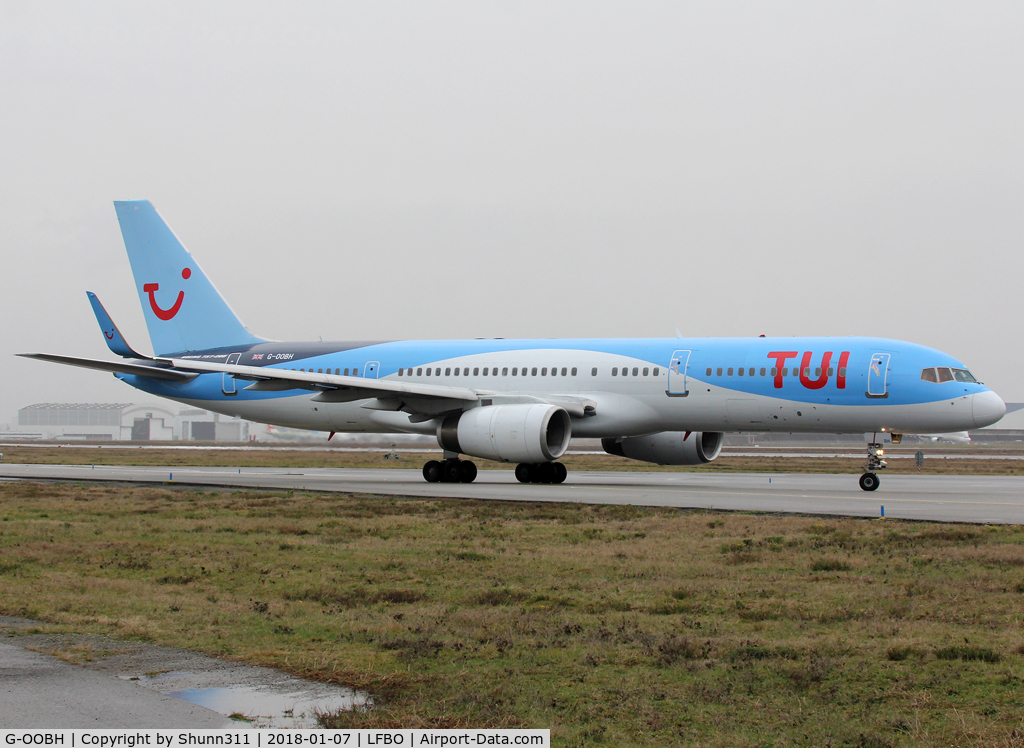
668, 447
531, 432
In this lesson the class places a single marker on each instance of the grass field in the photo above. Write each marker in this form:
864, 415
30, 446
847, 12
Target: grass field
345, 458
612, 625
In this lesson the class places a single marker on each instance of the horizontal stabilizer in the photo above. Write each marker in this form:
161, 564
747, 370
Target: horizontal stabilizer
117, 367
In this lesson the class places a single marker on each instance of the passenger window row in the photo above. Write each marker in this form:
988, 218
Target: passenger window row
554, 371
464, 371
773, 372
337, 372
637, 371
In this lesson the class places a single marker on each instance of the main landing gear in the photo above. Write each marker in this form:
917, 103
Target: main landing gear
869, 481
542, 472
454, 470
450, 471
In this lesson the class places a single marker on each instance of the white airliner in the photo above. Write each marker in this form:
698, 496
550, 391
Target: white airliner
957, 437
664, 400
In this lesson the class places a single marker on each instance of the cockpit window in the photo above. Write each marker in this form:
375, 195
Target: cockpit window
946, 374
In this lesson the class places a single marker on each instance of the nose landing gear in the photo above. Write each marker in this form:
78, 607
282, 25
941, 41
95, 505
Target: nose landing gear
450, 471
869, 481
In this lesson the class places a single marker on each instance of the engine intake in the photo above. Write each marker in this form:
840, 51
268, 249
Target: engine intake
531, 432
668, 447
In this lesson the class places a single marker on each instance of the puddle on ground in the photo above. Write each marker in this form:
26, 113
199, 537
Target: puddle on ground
290, 704
267, 708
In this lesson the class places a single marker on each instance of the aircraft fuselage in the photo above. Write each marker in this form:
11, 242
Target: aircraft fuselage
638, 386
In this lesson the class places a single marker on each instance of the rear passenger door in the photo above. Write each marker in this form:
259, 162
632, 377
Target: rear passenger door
227, 382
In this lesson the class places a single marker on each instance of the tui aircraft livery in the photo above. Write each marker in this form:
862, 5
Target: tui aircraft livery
661, 400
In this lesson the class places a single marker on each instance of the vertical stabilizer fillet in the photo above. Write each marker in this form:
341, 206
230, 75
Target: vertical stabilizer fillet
183, 310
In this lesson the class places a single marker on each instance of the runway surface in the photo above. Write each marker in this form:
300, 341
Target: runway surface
945, 498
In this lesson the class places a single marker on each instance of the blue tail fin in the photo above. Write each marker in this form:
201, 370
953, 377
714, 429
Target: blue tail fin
183, 311
115, 340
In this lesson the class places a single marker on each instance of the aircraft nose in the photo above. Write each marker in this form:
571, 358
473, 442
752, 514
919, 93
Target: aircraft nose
987, 408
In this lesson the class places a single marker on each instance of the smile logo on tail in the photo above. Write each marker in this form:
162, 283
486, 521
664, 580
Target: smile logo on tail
165, 314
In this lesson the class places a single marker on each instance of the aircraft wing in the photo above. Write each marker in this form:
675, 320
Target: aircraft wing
347, 388
424, 400
117, 367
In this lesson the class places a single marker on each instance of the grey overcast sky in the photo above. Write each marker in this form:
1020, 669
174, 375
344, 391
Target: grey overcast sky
430, 170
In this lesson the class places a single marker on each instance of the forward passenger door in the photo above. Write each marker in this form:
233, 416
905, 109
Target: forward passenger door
878, 375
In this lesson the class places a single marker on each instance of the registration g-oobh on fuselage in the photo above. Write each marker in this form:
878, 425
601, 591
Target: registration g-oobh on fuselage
660, 400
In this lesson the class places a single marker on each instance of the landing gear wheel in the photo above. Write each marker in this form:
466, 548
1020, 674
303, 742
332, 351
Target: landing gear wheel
433, 471
524, 472
467, 471
560, 472
546, 472
869, 481
453, 471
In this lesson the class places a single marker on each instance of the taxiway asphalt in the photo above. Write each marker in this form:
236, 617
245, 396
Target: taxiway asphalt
37, 690
944, 498
69, 680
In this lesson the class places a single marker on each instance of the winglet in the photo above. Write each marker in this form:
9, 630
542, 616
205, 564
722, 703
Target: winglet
115, 340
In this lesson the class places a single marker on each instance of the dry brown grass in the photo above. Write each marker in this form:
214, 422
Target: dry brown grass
609, 624
75, 654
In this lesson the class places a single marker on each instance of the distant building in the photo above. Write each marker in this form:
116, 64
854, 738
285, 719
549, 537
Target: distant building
203, 426
126, 422
98, 421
